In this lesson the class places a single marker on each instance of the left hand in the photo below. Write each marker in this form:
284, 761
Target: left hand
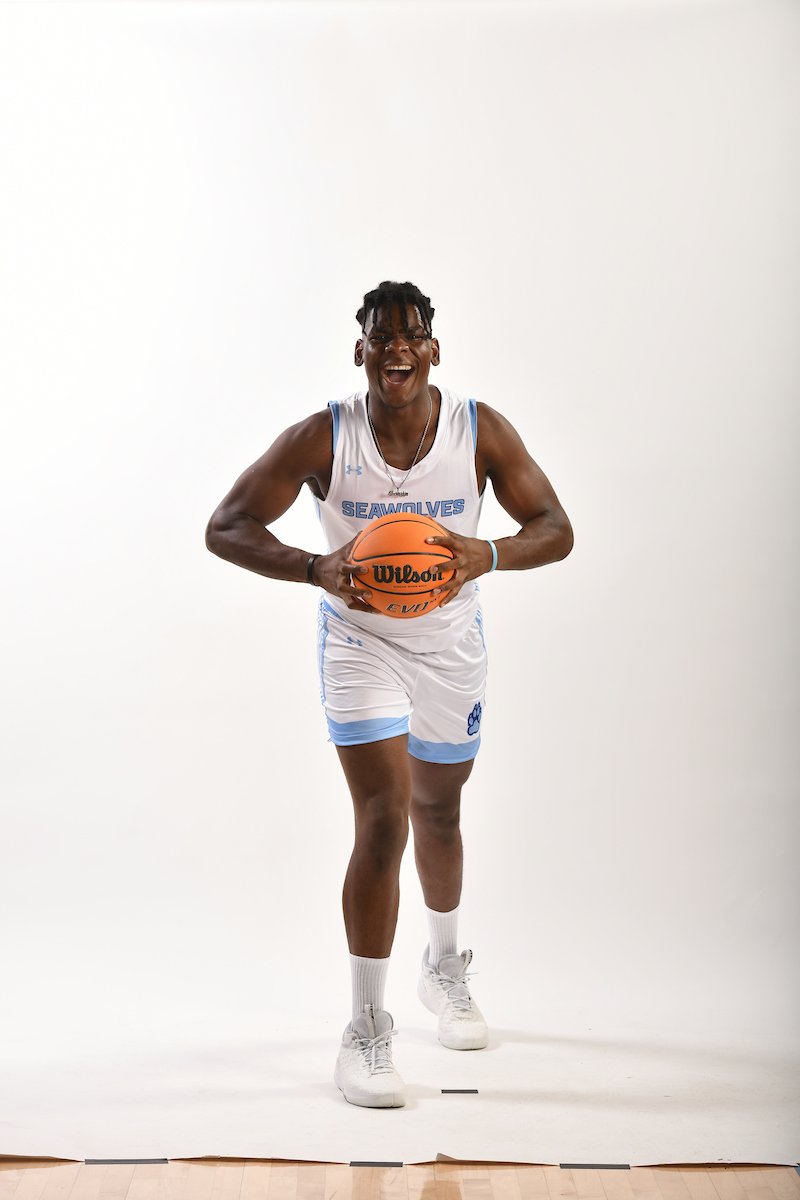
471, 557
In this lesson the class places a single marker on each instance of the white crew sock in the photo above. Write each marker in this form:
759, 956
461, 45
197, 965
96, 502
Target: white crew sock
443, 928
369, 981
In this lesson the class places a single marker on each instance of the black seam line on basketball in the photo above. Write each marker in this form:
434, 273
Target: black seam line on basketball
373, 587
411, 519
402, 554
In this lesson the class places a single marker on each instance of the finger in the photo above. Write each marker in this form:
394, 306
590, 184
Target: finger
452, 571
360, 604
449, 595
356, 591
442, 540
451, 563
352, 590
446, 588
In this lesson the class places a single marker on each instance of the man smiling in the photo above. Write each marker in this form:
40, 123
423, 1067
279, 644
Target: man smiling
403, 699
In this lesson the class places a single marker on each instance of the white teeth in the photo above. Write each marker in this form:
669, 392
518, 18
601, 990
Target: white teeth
397, 368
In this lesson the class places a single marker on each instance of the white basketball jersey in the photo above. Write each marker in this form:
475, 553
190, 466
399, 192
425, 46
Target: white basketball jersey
442, 485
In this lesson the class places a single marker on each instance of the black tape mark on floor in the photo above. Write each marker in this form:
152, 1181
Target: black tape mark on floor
102, 1162
376, 1164
595, 1166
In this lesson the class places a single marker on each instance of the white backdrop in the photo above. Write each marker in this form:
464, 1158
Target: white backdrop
601, 201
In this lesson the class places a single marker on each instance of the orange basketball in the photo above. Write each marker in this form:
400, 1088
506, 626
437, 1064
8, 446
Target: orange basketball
403, 568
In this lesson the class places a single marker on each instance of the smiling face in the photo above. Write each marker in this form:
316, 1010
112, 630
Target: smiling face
397, 353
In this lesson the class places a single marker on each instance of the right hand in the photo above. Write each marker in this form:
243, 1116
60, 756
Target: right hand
334, 572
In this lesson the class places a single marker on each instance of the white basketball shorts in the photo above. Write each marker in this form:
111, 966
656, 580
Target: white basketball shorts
373, 689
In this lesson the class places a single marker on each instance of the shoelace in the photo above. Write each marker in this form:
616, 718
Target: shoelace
461, 1002
377, 1049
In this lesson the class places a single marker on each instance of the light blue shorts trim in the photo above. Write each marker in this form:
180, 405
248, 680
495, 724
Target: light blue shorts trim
356, 733
443, 752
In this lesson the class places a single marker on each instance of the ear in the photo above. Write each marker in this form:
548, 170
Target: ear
359, 353
434, 352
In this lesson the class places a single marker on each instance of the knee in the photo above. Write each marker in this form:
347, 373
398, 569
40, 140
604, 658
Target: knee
382, 822
437, 815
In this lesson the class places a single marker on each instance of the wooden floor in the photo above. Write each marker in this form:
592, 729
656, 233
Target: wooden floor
235, 1179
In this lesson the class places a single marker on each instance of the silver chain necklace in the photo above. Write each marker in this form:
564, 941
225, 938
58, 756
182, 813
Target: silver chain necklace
395, 489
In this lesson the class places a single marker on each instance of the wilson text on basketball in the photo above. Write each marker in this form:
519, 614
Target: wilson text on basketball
388, 573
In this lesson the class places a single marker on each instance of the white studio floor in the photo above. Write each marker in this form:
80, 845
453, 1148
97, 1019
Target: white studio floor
553, 1086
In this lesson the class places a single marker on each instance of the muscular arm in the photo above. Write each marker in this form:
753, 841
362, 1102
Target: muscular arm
262, 493
525, 492
302, 454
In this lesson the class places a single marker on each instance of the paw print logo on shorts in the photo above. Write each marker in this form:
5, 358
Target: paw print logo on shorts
474, 720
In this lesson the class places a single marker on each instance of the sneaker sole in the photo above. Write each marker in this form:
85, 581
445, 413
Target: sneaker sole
392, 1099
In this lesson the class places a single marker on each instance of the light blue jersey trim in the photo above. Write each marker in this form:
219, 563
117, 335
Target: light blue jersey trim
331, 611
322, 637
443, 752
375, 729
479, 623
473, 420
333, 405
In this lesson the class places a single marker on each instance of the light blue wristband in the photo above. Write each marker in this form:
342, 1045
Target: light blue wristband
494, 556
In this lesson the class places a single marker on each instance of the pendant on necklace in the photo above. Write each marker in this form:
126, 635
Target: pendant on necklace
396, 492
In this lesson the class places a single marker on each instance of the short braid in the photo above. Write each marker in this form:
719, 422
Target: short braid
390, 292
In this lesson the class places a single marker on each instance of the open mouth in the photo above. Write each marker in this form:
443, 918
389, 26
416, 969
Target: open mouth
397, 375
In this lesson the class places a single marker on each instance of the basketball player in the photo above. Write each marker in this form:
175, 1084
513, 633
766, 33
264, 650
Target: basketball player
403, 697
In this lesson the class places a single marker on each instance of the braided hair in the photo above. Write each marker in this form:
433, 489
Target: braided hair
390, 292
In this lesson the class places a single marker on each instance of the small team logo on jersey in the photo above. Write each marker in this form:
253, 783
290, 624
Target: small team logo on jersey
474, 720
358, 470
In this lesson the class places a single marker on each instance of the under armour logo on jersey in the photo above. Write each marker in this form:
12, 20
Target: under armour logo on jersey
474, 719
354, 641
353, 470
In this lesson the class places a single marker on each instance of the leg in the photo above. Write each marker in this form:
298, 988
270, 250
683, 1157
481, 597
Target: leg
435, 810
443, 740
435, 815
367, 706
379, 778
380, 784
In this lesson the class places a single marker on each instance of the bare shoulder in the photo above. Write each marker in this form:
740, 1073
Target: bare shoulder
498, 440
307, 443
303, 453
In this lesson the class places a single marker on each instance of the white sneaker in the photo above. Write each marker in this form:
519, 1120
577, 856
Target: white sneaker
444, 991
364, 1070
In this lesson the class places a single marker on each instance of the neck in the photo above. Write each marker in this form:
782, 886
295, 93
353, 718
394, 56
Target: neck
405, 442
401, 423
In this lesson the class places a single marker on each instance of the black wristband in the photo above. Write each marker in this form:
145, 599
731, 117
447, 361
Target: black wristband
312, 558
